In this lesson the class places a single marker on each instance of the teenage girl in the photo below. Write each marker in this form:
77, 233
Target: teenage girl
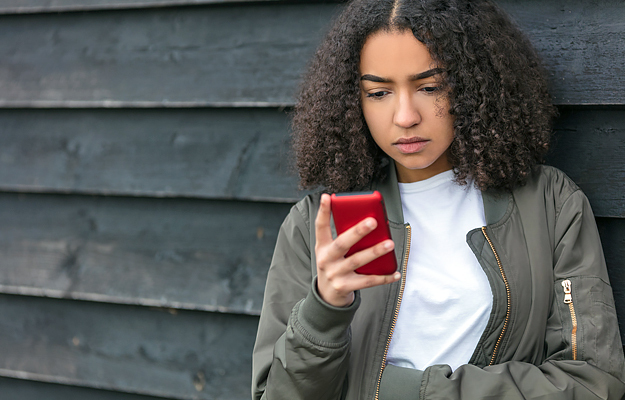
502, 291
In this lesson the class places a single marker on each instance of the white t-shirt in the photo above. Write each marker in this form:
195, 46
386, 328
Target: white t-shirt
447, 299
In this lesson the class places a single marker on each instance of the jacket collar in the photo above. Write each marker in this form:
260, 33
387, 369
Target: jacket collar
496, 203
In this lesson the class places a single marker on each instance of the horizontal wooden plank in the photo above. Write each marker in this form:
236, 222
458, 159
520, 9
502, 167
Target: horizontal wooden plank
255, 53
97, 104
50, 6
581, 45
237, 153
184, 254
21, 389
181, 355
588, 146
229, 153
612, 231
198, 55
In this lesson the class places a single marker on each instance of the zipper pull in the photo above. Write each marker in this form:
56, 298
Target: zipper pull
566, 284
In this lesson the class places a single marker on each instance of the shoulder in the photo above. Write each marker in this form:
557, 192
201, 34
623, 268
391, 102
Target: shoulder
550, 183
550, 188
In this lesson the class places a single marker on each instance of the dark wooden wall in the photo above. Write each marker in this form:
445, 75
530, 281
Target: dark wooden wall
145, 170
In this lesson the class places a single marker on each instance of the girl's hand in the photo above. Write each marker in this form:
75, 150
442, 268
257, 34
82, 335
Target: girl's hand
336, 276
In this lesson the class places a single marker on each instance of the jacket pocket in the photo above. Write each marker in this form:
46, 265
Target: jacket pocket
589, 325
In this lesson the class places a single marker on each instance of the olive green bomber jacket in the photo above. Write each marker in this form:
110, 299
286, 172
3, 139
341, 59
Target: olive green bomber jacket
552, 333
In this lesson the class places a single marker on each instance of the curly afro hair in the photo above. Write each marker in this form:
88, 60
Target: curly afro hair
496, 85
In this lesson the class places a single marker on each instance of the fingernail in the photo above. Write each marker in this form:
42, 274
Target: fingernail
389, 245
397, 276
369, 223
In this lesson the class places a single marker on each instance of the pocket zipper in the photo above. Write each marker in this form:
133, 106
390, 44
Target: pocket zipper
568, 299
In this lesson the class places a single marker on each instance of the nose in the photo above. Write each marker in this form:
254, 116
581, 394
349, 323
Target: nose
406, 112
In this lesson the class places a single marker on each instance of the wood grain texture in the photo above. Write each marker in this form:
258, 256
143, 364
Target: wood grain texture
581, 45
132, 252
184, 254
238, 153
612, 232
254, 53
226, 153
174, 253
589, 145
153, 352
202, 56
54, 6
21, 389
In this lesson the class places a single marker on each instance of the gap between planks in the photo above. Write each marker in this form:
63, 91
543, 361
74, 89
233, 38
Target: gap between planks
31, 376
172, 306
117, 104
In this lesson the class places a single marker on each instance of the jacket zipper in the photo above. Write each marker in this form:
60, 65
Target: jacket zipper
568, 299
396, 311
505, 281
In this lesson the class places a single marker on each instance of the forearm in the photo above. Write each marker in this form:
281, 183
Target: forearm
310, 360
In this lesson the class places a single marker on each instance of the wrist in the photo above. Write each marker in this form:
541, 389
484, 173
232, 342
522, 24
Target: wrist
334, 299
320, 320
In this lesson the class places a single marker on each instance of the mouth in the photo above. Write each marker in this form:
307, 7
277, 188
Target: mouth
411, 145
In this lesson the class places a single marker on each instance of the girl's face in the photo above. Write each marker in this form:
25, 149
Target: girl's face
404, 107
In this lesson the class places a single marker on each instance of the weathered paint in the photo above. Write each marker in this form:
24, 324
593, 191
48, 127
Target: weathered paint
184, 99
255, 53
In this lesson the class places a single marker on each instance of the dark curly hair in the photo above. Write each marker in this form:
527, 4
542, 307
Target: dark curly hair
494, 79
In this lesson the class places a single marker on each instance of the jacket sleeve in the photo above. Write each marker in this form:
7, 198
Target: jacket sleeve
585, 365
302, 345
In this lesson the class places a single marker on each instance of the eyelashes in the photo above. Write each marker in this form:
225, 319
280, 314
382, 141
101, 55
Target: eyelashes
431, 89
377, 95
380, 94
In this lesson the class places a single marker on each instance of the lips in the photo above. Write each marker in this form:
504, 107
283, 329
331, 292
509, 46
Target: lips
411, 145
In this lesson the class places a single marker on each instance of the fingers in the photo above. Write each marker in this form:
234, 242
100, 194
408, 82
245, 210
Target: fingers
367, 281
339, 247
350, 237
322, 222
367, 255
338, 290
337, 279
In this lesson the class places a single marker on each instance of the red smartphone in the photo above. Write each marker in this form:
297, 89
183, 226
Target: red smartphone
348, 209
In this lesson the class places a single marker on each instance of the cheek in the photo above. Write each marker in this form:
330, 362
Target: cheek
376, 119
375, 127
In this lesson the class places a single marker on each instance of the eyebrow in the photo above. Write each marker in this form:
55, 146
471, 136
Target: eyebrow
423, 75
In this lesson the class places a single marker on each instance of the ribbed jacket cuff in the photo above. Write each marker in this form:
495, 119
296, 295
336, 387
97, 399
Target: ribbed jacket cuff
323, 321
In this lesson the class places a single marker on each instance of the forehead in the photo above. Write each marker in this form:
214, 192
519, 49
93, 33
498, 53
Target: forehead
394, 54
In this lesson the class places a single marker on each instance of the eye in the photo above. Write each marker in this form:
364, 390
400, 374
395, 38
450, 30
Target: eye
430, 89
377, 95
